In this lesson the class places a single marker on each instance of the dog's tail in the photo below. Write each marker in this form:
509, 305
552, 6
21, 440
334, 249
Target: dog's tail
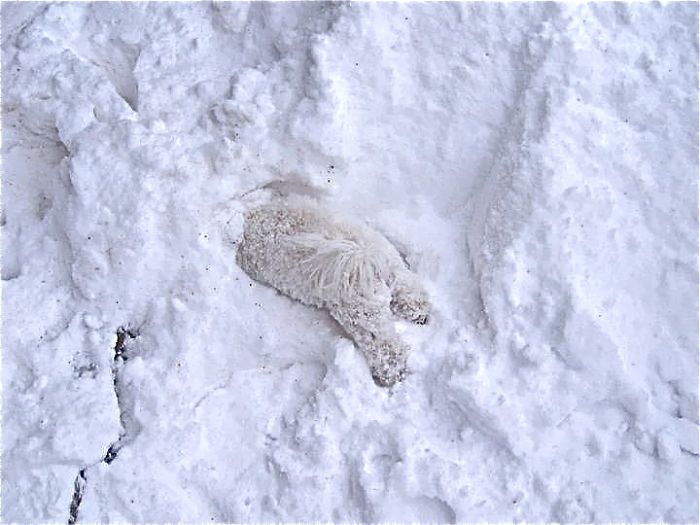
339, 268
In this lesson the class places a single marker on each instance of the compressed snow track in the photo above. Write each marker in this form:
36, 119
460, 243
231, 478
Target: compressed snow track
536, 166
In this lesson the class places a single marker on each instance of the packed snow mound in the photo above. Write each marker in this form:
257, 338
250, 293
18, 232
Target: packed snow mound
534, 164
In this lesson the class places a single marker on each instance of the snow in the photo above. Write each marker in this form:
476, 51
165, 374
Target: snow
536, 165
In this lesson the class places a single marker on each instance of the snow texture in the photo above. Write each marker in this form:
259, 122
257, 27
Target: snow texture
535, 165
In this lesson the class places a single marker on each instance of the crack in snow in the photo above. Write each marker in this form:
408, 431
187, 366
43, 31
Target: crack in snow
129, 427
221, 386
79, 489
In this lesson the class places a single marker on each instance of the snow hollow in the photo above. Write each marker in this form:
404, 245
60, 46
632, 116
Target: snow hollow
536, 166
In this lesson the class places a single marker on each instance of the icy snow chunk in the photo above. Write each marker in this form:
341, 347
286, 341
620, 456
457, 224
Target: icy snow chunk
667, 446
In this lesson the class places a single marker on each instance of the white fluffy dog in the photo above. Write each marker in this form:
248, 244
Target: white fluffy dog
310, 255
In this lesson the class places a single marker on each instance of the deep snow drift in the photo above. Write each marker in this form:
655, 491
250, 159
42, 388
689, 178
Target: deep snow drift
535, 164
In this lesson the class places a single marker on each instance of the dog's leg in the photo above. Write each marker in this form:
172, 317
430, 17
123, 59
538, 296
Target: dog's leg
368, 322
408, 299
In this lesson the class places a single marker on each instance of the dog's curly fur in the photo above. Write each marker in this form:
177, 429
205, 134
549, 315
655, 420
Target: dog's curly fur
311, 255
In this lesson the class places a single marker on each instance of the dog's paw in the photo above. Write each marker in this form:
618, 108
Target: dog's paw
387, 361
411, 303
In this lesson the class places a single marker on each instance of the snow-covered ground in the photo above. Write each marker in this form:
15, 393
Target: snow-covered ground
536, 164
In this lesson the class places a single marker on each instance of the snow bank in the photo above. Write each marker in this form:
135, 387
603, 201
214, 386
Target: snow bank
536, 165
